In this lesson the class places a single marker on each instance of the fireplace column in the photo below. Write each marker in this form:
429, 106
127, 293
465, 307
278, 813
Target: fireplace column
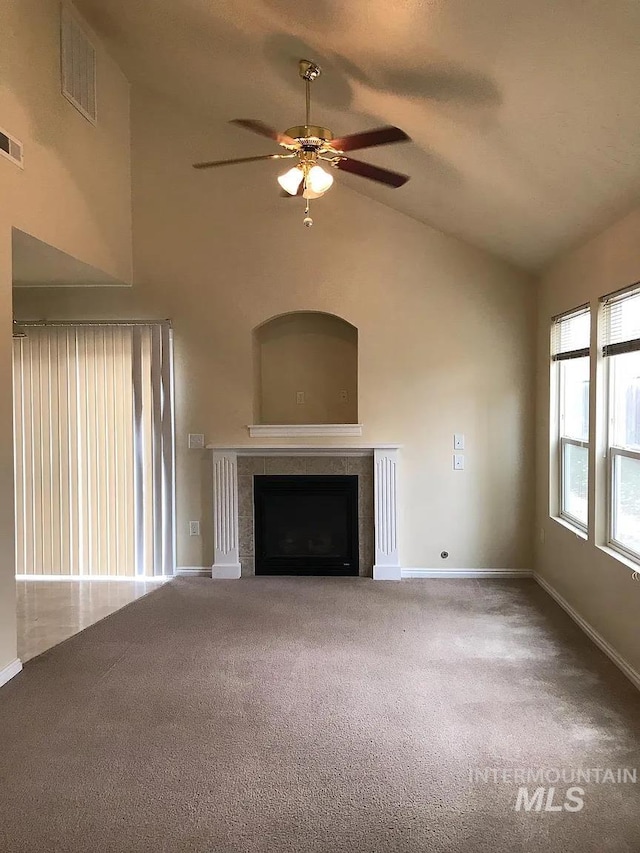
386, 565
226, 554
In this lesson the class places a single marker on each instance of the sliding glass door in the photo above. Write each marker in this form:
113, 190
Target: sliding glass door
94, 450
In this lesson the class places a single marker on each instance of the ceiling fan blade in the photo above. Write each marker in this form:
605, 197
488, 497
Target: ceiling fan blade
374, 173
370, 138
213, 163
263, 129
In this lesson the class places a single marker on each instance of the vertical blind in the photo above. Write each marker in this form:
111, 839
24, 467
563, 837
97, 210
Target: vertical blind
621, 322
570, 335
94, 455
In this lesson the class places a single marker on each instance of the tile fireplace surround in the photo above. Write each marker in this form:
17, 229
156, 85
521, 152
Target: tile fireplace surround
235, 467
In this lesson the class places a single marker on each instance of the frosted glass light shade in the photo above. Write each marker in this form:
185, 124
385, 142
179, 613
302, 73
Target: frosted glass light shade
290, 181
319, 181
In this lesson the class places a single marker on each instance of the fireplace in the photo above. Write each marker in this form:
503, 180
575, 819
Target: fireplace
306, 525
236, 469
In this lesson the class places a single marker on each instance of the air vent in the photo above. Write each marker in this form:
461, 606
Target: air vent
11, 148
78, 65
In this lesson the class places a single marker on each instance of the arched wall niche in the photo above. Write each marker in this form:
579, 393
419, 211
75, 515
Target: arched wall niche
308, 353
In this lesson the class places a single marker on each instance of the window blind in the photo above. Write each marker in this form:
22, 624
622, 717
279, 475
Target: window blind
570, 334
94, 453
621, 322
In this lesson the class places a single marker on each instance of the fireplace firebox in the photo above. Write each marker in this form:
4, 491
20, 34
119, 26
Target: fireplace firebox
306, 525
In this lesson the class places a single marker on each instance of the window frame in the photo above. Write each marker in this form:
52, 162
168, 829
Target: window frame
614, 451
561, 441
610, 350
612, 542
564, 440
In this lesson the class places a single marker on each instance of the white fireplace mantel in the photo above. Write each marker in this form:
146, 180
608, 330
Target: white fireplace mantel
386, 457
294, 430
303, 449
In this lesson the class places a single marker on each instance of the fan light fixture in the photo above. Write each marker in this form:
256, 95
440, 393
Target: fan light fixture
316, 181
291, 180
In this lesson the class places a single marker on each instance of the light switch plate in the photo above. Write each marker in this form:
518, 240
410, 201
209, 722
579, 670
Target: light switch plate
458, 461
299, 397
196, 440
458, 441
194, 528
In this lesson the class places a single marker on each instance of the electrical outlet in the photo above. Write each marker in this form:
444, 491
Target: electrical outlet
343, 396
458, 461
458, 441
196, 440
194, 528
299, 397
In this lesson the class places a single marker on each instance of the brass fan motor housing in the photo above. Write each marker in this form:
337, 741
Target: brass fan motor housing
310, 135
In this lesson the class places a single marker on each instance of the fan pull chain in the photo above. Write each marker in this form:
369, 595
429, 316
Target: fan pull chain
308, 221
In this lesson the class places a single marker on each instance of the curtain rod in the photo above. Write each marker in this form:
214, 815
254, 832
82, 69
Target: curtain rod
91, 322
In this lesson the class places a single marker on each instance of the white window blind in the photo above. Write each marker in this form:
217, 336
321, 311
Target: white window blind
570, 335
621, 322
94, 450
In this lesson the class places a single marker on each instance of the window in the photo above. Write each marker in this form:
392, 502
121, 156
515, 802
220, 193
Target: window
621, 332
570, 354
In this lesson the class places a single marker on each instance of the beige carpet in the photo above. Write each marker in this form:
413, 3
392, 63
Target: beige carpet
293, 714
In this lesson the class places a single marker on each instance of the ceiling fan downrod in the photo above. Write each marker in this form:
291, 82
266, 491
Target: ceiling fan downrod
309, 72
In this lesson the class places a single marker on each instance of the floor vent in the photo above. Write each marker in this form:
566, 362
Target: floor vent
78, 65
11, 148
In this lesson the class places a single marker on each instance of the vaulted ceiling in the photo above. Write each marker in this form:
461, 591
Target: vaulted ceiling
524, 114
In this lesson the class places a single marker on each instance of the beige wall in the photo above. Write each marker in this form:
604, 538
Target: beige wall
74, 193
446, 334
8, 651
595, 583
75, 190
310, 352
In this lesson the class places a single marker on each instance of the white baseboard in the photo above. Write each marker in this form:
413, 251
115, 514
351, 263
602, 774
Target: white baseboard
193, 571
10, 670
467, 573
590, 631
230, 572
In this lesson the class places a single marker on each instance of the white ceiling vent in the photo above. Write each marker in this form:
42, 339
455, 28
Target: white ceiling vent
78, 65
11, 148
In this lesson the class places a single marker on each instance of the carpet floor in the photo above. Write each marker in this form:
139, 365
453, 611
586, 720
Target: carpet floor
308, 715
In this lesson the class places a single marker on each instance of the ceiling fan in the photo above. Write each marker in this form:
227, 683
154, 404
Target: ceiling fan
311, 145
